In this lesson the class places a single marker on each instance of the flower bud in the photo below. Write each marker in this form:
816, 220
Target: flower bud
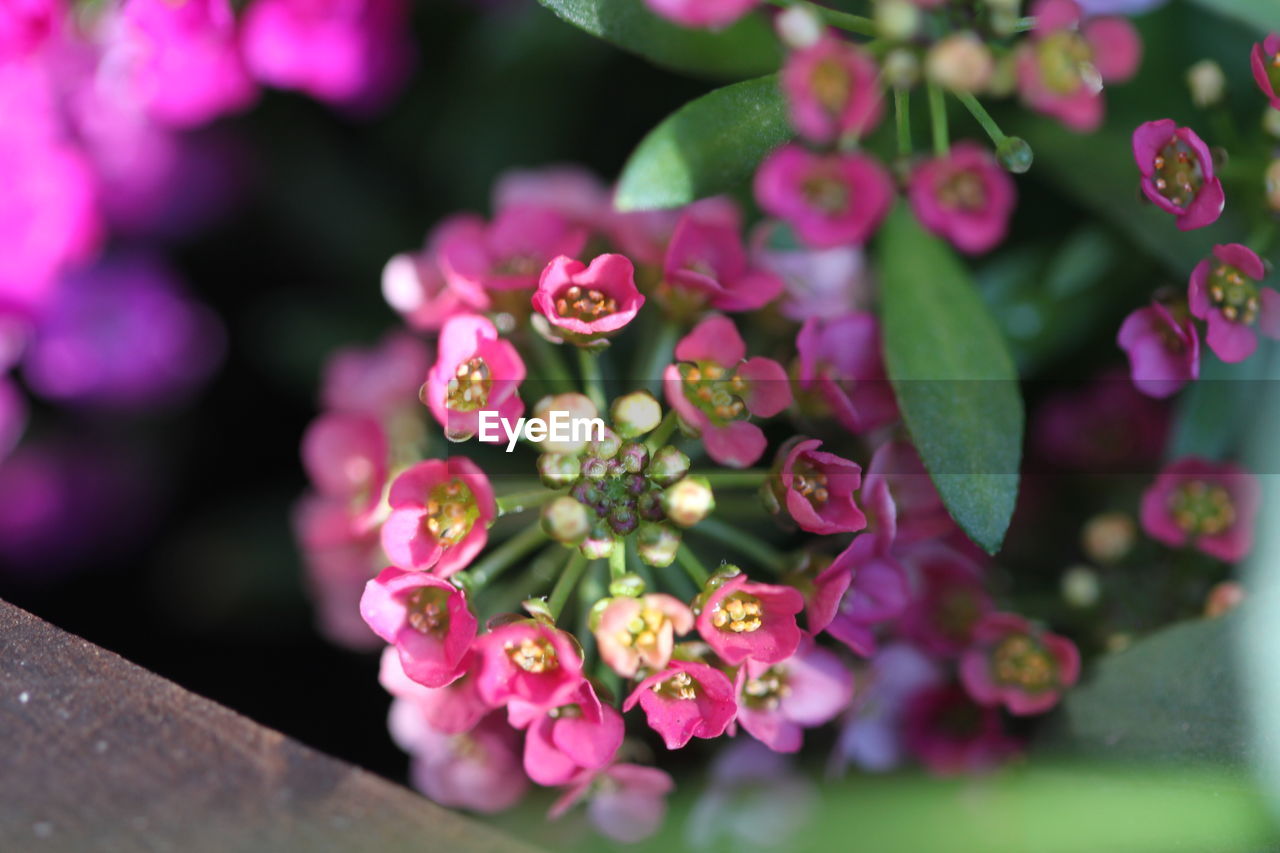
799, 27
657, 544
1014, 154
1271, 121
1107, 538
1273, 185
960, 62
1224, 597
635, 414
594, 468
688, 501
896, 20
566, 520
667, 466
629, 585
1206, 82
1080, 587
623, 520
577, 406
634, 457
605, 447
538, 609
557, 470
598, 544
901, 69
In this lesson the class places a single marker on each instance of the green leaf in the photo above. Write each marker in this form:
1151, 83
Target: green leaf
745, 49
708, 146
954, 378
1216, 411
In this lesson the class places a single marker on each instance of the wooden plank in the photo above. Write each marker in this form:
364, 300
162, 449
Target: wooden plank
99, 754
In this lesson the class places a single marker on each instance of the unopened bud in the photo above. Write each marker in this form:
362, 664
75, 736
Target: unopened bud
594, 468
901, 69
557, 470
960, 62
667, 466
896, 20
1272, 183
633, 457
623, 520
1206, 82
1109, 537
598, 544
688, 501
566, 520
605, 447
1223, 598
629, 585
635, 414
657, 544
579, 408
1014, 154
799, 27
1080, 587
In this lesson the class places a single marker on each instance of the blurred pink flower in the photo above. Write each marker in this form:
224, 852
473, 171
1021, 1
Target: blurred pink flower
952, 735
949, 601
832, 89
830, 199
776, 702
965, 197
1210, 506
870, 589
625, 802
477, 770
816, 282
706, 264
1163, 350
452, 709
1014, 664
1224, 292
510, 252
705, 14
841, 360
582, 734
346, 457
1264, 60
381, 380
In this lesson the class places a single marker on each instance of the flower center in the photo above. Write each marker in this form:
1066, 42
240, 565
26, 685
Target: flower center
1234, 293
831, 85
1178, 176
1066, 63
1021, 661
533, 655
810, 482
427, 610
468, 390
963, 190
738, 613
643, 631
766, 691
715, 390
679, 686
451, 512
1202, 509
828, 194
586, 305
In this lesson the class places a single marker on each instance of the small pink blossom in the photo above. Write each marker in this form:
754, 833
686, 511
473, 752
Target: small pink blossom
1014, 664
452, 709
475, 369
832, 90
640, 632
510, 252
1064, 63
707, 265
816, 282
818, 487
583, 734
713, 387
440, 514
1264, 60
340, 552
381, 381
1208, 505
425, 618
588, 303
841, 361
703, 14
1163, 351
573, 191
776, 702
477, 770
25, 25
1177, 173
625, 802
872, 737
1107, 426
952, 735
830, 199
875, 591
742, 620
949, 602
1224, 292
529, 661
965, 197
685, 700
918, 511
416, 287
346, 458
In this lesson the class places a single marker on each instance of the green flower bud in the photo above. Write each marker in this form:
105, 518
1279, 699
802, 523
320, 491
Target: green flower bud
598, 544
557, 470
657, 544
634, 457
629, 585
688, 501
577, 406
635, 414
667, 466
565, 520
605, 447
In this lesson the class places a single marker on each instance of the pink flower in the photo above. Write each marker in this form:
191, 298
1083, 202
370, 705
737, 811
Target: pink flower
573, 191
181, 59
588, 303
440, 513
832, 90
531, 662
1163, 351
1011, 663
636, 632
340, 552
1224, 292
351, 53
965, 197
875, 591
1208, 505
425, 618
830, 199
1177, 173
873, 733
451, 709
1108, 426
477, 770
685, 700
841, 360
510, 252
625, 802
744, 620
704, 14
475, 369
1264, 59
952, 735
816, 282
415, 286
583, 734
950, 600
776, 702
918, 511
27, 24
381, 381
706, 264
818, 489
714, 387
346, 458
1063, 64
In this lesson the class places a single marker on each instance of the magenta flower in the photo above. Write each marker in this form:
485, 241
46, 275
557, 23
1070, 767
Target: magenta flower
583, 734
832, 90
949, 602
573, 191
1014, 664
917, 509
1163, 351
1208, 505
477, 770
776, 702
440, 514
181, 60
1264, 59
625, 802
685, 700
706, 265
475, 369
381, 381
346, 458
425, 618
713, 387
965, 197
868, 587
830, 199
1064, 63
818, 489
640, 632
27, 24
872, 735
841, 360
351, 53
816, 282
1177, 173
704, 14
452, 709
584, 303
951, 735
529, 661
1107, 426
742, 620
1224, 292
510, 252
414, 286
340, 552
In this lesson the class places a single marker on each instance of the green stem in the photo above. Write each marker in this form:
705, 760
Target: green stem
592, 380
743, 542
567, 581
520, 501
660, 353
979, 112
1262, 236
842, 20
749, 478
506, 554
938, 119
692, 566
618, 559
902, 111
556, 372
659, 436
